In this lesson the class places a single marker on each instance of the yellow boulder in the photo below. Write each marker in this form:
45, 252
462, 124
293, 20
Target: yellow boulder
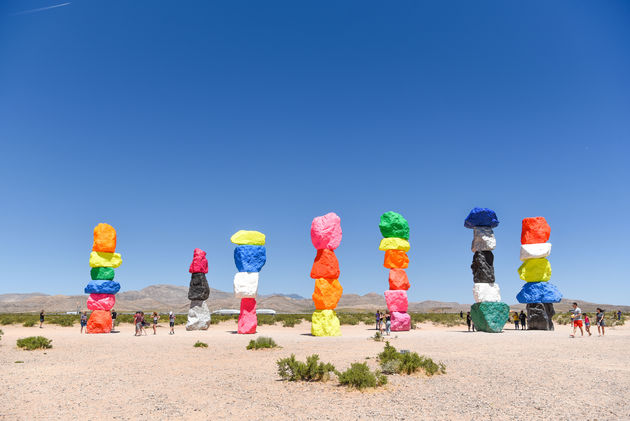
535, 270
325, 323
100, 259
251, 238
394, 244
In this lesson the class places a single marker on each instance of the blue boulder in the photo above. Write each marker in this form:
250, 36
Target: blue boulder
539, 292
250, 258
102, 287
481, 217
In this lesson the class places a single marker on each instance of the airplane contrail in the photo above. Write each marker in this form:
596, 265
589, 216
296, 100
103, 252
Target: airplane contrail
41, 9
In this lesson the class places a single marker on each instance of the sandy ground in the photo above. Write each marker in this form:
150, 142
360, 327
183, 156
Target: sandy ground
515, 375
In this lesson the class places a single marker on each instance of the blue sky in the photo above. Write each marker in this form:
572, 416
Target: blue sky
180, 123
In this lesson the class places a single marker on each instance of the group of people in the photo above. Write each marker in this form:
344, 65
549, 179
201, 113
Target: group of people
519, 319
577, 317
383, 321
141, 324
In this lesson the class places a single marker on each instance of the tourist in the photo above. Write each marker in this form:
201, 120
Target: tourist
469, 321
83, 321
601, 323
619, 315
143, 324
171, 322
378, 320
381, 324
461, 314
515, 319
577, 320
41, 319
523, 318
156, 318
114, 314
388, 323
587, 324
138, 323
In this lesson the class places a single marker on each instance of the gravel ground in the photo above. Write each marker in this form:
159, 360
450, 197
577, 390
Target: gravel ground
515, 375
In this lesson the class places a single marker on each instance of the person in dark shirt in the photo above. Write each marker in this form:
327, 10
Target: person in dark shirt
378, 320
114, 314
469, 321
83, 321
388, 323
523, 318
461, 314
41, 319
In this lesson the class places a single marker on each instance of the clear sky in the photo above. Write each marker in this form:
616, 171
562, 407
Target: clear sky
181, 122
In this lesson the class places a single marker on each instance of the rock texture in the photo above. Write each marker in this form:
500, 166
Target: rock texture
396, 300
535, 230
247, 319
246, 284
540, 316
398, 279
535, 251
102, 287
489, 316
104, 274
486, 292
482, 267
535, 270
250, 258
100, 321
101, 259
396, 259
483, 239
325, 265
327, 294
401, 322
199, 263
394, 225
199, 290
394, 244
252, 238
101, 302
325, 323
481, 217
104, 238
539, 292
326, 231
198, 316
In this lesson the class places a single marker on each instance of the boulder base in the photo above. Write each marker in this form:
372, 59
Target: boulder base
252, 238
489, 316
394, 244
398, 279
482, 267
198, 316
101, 302
325, 323
535, 270
327, 294
247, 320
396, 300
246, 284
105, 274
250, 258
325, 265
326, 231
104, 238
481, 217
540, 316
199, 290
401, 322
199, 263
394, 225
100, 321
486, 292
539, 292
102, 287
535, 230
483, 239
396, 259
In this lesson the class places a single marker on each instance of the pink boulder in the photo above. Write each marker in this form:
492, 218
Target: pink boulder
400, 321
396, 300
326, 231
101, 302
247, 320
199, 263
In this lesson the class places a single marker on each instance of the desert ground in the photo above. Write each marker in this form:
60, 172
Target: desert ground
514, 375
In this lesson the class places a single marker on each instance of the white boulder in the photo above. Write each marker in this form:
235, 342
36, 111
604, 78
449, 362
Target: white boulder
198, 316
486, 292
246, 284
483, 239
535, 251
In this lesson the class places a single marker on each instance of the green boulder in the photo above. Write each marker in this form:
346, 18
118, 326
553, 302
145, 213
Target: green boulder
393, 225
489, 316
102, 274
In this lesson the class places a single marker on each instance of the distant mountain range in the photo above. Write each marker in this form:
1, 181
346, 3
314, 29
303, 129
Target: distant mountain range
171, 297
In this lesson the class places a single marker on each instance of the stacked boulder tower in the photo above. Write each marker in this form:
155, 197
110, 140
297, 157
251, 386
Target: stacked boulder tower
538, 293
102, 288
326, 236
395, 230
488, 313
250, 255
198, 293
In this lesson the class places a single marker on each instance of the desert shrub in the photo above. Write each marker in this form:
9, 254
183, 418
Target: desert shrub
378, 336
349, 319
34, 342
446, 319
358, 375
29, 323
1, 333
261, 343
265, 319
392, 361
200, 344
66, 320
18, 318
312, 370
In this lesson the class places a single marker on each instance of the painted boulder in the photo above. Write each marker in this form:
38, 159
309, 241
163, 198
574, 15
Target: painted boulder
535, 270
251, 238
102, 287
481, 217
396, 259
398, 279
326, 231
104, 274
486, 292
535, 230
104, 238
396, 300
198, 290
247, 319
539, 292
198, 316
394, 244
250, 258
105, 260
199, 263
325, 323
327, 294
400, 321
483, 239
100, 321
489, 316
246, 284
394, 225
101, 302
535, 251
482, 267
540, 316
325, 265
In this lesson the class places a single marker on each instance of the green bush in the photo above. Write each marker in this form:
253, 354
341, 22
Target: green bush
29, 323
200, 344
358, 375
392, 361
312, 370
378, 337
262, 342
66, 320
34, 342
446, 319
1, 333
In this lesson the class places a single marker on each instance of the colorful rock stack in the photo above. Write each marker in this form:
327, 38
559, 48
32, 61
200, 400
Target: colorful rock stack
249, 256
198, 293
326, 237
395, 229
538, 293
102, 288
488, 313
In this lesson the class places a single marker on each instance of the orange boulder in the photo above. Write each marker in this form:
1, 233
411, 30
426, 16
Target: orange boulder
398, 279
326, 265
396, 259
104, 238
535, 230
100, 321
327, 294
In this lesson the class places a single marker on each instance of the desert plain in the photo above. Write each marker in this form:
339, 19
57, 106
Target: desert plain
514, 375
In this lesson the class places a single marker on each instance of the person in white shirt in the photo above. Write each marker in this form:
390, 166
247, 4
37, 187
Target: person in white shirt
577, 320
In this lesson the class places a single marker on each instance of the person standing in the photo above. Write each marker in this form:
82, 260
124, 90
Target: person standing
515, 319
114, 314
523, 318
577, 320
469, 321
41, 319
378, 319
388, 323
83, 321
618, 314
171, 322
587, 324
461, 314
601, 323
156, 318
137, 323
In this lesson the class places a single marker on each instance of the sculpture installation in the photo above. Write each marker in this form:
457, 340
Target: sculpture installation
198, 292
488, 313
250, 256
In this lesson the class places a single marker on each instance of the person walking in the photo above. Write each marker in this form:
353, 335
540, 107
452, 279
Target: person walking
587, 324
156, 319
469, 321
388, 323
378, 320
523, 318
577, 319
83, 321
114, 314
618, 314
171, 322
601, 323
515, 319
41, 319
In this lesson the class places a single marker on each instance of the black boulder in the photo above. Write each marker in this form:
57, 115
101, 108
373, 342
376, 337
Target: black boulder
482, 267
199, 289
